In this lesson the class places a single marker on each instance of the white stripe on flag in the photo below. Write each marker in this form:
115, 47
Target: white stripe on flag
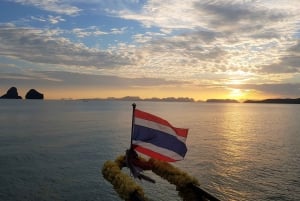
157, 126
160, 150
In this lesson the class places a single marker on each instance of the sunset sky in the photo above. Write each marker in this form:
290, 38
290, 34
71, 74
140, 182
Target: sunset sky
237, 49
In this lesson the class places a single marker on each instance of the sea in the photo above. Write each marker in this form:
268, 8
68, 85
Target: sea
54, 150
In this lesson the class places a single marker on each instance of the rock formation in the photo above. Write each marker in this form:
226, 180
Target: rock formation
34, 94
11, 93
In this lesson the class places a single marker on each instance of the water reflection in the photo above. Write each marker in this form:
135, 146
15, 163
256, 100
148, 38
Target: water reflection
248, 151
234, 128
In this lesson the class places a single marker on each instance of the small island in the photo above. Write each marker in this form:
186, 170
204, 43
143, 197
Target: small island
12, 93
34, 94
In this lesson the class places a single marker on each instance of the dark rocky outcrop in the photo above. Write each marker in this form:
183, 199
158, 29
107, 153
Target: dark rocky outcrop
11, 93
34, 94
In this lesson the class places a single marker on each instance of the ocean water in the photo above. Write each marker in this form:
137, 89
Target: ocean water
54, 150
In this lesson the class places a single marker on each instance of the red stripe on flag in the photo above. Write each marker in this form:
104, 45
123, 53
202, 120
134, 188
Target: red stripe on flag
150, 117
153, 154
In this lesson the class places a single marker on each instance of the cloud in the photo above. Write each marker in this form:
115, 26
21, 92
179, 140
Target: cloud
56, 6
91, 31
289, 63
288, 90
108, 81
55, 19
173, 14
212, 15
39, 46
215, 36
68, 79
199, 41
51, 19
295, 49
237, 13
118, 31
95, 31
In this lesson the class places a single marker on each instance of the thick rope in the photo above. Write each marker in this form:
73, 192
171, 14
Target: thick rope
187, 186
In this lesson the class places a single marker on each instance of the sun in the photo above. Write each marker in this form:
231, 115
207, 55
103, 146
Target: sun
237, 94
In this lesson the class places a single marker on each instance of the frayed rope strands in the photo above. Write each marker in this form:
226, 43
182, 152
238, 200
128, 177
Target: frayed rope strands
122, 183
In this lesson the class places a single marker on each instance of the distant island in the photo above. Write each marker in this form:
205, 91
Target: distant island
137, 98
277, 101
12, 93
186, 99
221, 101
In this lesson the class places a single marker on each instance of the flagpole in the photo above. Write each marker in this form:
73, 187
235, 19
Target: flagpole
132, 124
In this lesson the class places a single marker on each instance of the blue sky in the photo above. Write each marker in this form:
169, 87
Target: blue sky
199, 49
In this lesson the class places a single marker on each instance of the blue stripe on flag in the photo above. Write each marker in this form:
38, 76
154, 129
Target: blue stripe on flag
160, 139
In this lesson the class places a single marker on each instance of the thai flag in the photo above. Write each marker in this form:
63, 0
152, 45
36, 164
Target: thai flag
157, 138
